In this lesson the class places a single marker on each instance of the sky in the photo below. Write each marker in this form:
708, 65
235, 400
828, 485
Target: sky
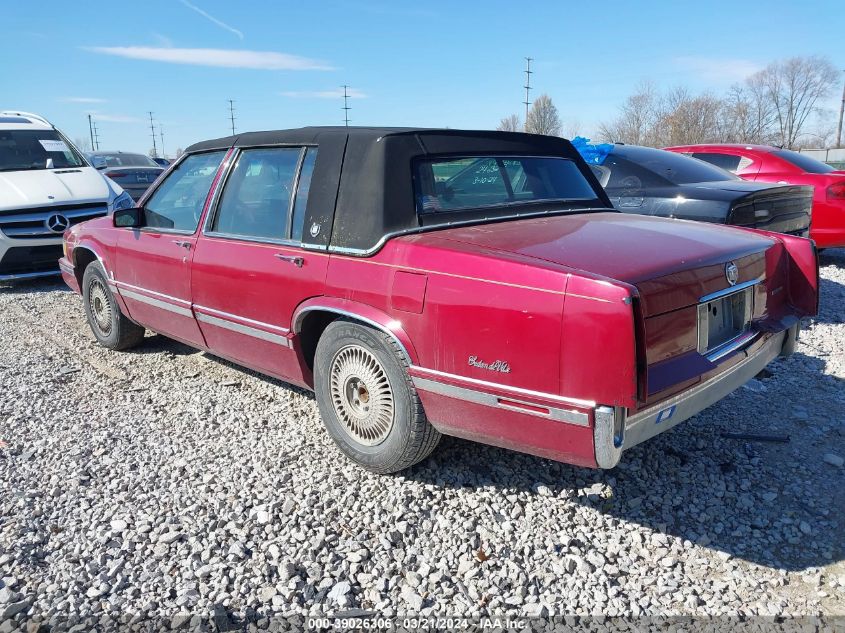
424, 63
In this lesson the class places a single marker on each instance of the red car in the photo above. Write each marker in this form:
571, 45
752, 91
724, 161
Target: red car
772, 164
477, 284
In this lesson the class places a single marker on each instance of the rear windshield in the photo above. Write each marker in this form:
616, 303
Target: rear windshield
676, 168
475, 182
103, 161
802, 161
26, 150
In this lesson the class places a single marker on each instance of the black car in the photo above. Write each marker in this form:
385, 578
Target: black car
134, 172
656, 182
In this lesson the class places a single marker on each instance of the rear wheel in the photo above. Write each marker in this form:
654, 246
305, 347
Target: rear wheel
110, 327
367, 400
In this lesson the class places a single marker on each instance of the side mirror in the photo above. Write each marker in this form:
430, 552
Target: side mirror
131, 218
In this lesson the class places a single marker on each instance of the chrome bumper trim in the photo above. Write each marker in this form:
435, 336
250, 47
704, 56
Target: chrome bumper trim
614, 431
556, 414
19, 276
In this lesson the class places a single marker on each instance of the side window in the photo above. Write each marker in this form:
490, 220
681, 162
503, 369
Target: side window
627, 176
257, 196
302, 188
731, 162
177, 203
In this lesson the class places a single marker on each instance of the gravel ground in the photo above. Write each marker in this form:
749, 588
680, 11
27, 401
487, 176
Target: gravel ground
164, 481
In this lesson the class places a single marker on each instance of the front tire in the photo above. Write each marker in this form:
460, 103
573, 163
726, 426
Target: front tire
367, 400
109, 325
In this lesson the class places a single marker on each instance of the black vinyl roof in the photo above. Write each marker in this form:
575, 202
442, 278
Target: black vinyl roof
362, 187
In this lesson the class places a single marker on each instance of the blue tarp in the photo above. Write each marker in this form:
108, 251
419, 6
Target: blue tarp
594, 154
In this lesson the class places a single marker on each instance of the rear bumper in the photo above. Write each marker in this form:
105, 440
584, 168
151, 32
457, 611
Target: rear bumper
614, 431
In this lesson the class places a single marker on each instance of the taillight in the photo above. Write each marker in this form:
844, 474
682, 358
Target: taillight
117, 174
836, 191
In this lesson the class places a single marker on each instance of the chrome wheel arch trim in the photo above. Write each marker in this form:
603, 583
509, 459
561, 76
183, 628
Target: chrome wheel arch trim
300, 313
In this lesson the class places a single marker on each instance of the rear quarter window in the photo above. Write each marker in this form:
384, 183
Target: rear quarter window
476, 182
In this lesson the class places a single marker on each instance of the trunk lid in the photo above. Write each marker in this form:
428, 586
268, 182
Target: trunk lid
780, 209
673, 263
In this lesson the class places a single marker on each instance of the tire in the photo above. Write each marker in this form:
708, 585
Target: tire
110, 327
367, 400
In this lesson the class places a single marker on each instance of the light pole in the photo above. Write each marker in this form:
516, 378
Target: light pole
841, 111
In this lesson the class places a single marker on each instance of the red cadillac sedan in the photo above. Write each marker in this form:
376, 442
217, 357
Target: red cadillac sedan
772, 164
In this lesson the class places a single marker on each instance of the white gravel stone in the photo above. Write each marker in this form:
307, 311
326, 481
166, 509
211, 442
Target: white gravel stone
139, 484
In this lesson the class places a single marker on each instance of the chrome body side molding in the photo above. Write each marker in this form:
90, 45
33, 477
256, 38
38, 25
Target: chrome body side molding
557, 414
226, 324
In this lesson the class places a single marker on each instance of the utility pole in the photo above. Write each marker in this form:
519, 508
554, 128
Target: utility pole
232, 115
91, 131
841, 112
346, 107
96, 144
153, 134
528, 74
161, 135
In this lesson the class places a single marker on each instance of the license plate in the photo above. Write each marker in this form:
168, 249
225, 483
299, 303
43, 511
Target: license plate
724, 319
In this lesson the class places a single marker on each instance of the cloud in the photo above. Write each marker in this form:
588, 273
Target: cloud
718, 70
162, 40
336, 93
83, 100
114, 118
211, 18
218, 57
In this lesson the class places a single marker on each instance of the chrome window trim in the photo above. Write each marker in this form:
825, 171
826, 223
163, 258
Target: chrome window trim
587, 404
214, 207
243, 329
556, 414
366, 252
149, 193
254, 240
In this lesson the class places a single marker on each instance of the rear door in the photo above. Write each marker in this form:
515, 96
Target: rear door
250, 271
153, 266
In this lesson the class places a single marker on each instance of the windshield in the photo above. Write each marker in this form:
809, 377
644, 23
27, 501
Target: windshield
23, 150
802, 161
676, 168
103, 161
452, 184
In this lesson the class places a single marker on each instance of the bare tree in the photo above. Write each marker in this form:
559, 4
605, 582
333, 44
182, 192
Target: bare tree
510, 124
543, 117
686, 119
794, 87
637, 119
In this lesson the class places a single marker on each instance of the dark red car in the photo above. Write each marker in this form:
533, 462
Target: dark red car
477, 284
773, 164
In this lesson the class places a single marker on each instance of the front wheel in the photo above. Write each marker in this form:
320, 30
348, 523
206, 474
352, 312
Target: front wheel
109, 325
367, 400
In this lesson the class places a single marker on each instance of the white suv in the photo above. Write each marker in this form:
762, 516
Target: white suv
46, 185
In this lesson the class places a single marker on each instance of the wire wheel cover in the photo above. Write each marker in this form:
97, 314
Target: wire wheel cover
101, 307
361, 395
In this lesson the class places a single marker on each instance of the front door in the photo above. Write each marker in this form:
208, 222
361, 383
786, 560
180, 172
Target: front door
153, 266
249, 272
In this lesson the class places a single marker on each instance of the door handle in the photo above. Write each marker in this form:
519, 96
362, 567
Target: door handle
184, 244
292, 259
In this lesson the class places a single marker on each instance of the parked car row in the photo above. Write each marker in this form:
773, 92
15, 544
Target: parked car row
475, 284
48, 185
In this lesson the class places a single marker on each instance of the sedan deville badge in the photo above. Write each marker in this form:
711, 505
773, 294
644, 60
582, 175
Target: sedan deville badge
497, 365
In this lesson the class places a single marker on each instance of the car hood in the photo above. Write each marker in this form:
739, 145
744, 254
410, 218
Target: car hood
679, 260
36, 188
